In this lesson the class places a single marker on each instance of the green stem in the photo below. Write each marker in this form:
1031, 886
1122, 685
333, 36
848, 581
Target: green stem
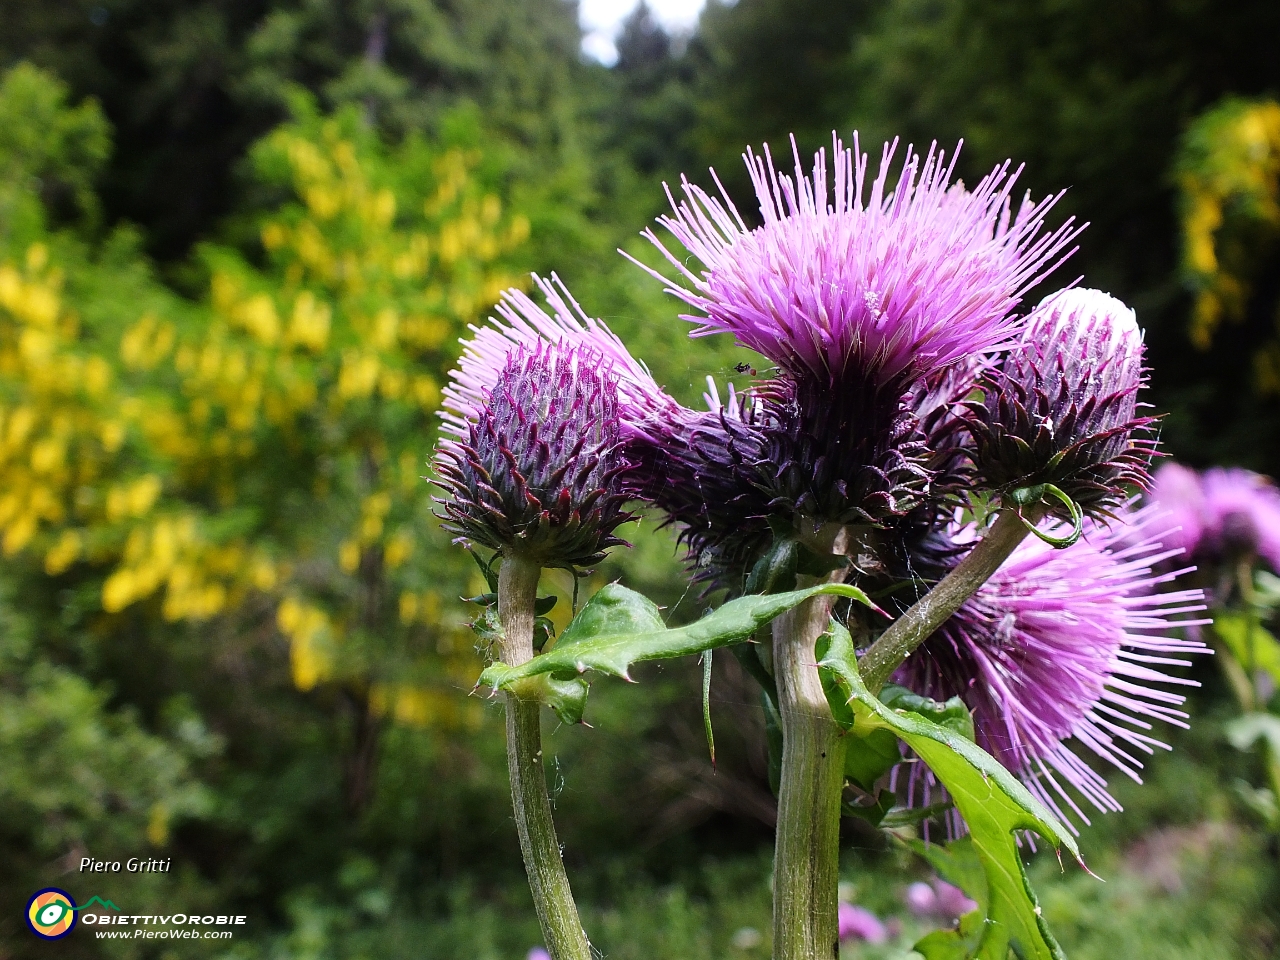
931, 611
561, 928
807, 858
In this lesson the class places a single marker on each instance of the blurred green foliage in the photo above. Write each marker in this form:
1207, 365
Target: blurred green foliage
212, 177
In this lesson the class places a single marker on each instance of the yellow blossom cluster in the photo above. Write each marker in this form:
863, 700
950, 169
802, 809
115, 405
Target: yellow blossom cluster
270, 442
1229, 175
57, 428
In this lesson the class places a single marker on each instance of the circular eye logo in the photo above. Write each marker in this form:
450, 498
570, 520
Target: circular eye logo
51, 913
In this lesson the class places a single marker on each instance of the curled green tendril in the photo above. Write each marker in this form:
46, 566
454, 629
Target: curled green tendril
1026, 496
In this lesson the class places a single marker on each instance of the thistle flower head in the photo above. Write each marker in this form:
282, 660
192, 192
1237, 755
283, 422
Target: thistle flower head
843, 456
1064, 644
848, 280
1062, 409
1223, 513
536, 474
706, 471
640, 401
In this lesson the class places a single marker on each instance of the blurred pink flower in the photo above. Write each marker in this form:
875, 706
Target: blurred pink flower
952, 903
537, 953
857, 923
1223, 512
920, 899
939, 899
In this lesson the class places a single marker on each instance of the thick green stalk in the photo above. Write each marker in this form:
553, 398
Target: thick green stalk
931, 611
561, 928
806, 872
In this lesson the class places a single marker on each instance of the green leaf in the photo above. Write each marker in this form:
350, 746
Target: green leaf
1246, 730
488, 629
1253, 646
910, 816
619, 627
992, 801
869, 758
873, 813
952, 714
566, 698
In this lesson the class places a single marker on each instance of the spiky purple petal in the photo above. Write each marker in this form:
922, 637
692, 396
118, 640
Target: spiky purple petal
884, 283
524, 323
1067, 644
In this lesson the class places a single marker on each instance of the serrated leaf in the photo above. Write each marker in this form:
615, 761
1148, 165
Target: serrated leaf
487, 627
952, 714
868, 758
619, 627
992, 801
566, 698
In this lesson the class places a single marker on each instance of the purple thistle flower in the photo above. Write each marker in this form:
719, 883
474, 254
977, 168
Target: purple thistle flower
641, 401
1063, 644
859, 923
1062, 409
537, 473
843, 284
1223, 513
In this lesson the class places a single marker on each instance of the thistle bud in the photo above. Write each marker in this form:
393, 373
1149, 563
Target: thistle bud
705, 471
536, 474
1062, 409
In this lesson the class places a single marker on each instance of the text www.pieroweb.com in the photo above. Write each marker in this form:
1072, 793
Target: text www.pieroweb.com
143, 927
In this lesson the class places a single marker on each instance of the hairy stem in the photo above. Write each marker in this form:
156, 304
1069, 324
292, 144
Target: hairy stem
561, 928
806, 871
931, 611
